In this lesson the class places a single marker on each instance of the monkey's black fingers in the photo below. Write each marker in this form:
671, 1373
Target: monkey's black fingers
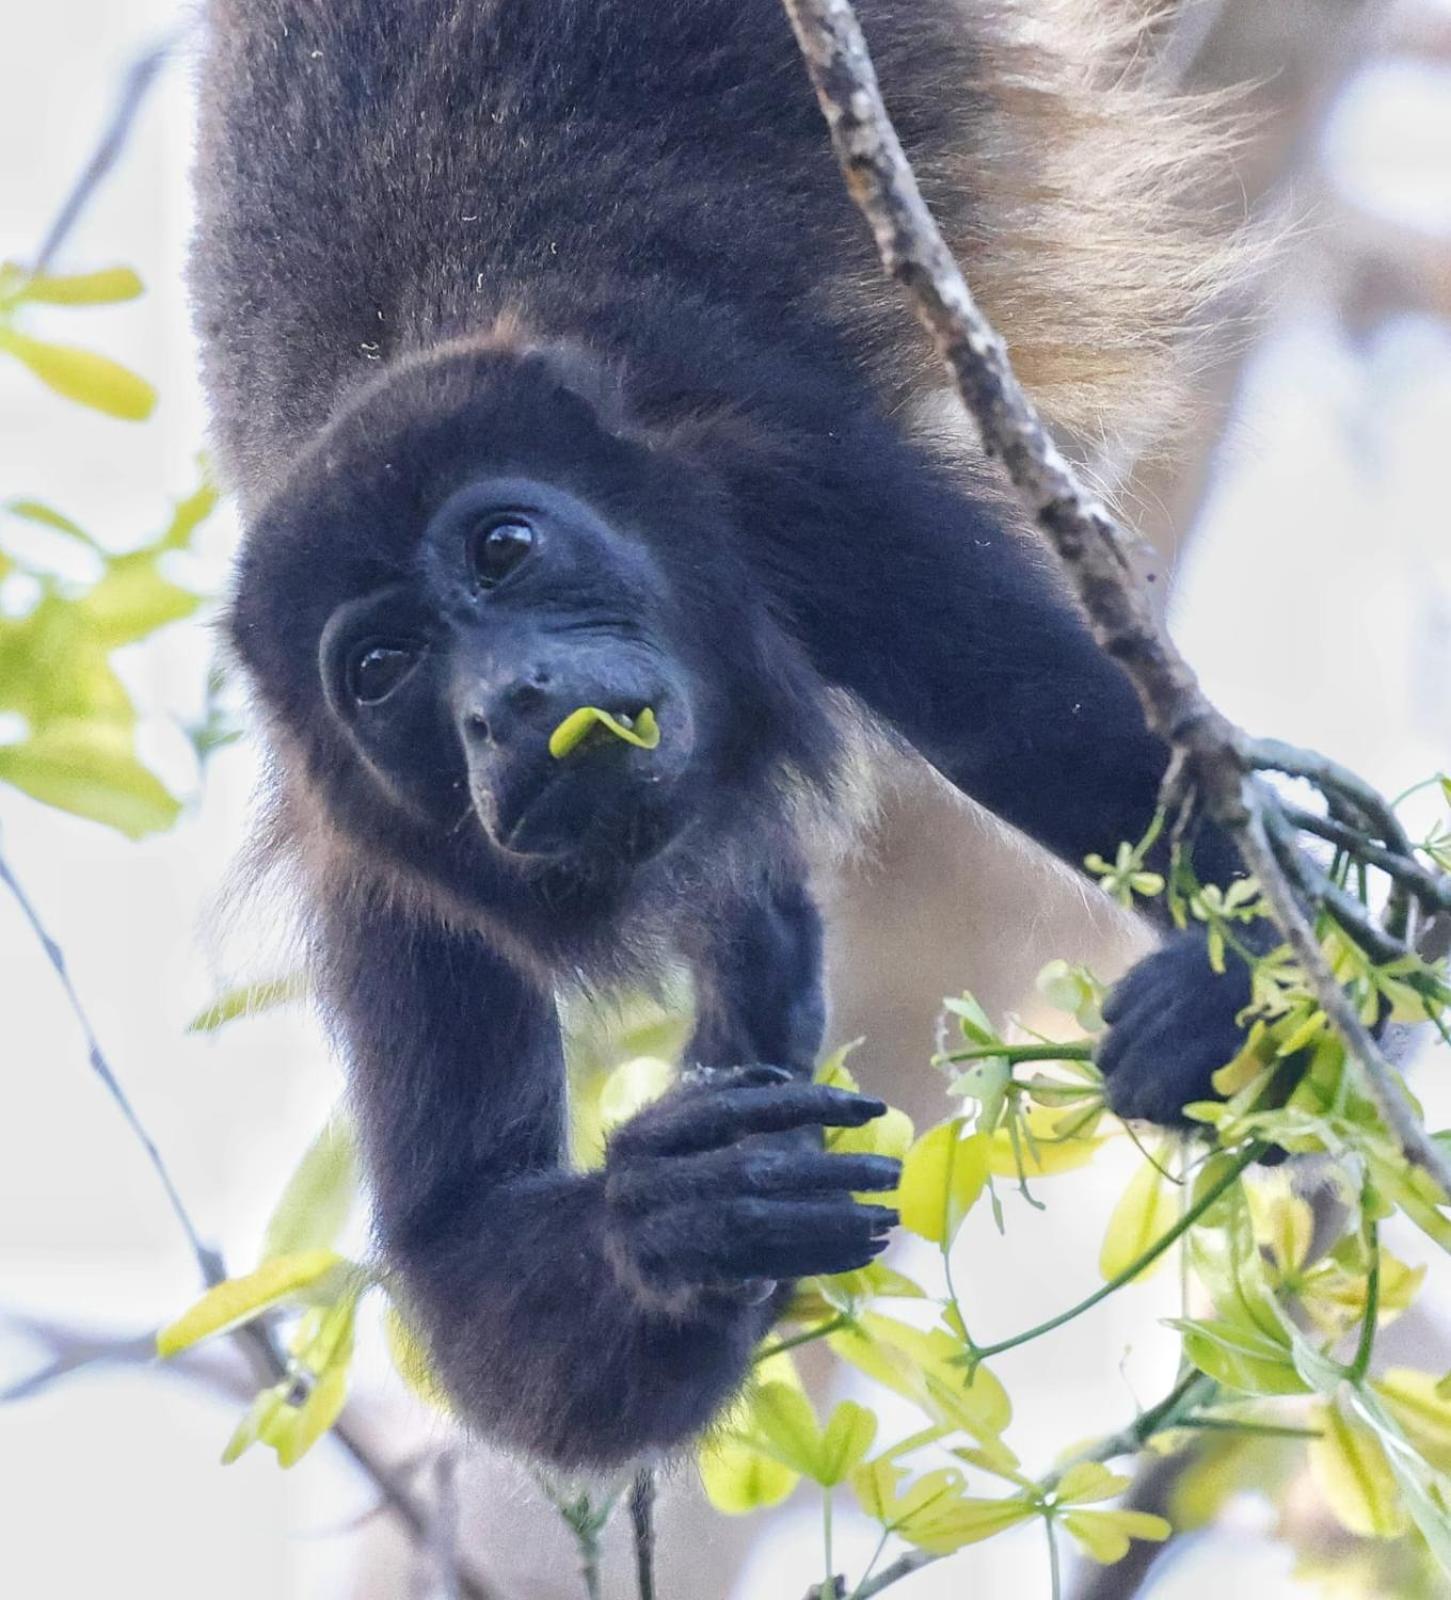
691, 1123
767, 1239
656, 1182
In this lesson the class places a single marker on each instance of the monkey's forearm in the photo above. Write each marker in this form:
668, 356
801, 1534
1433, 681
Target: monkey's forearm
540, 1341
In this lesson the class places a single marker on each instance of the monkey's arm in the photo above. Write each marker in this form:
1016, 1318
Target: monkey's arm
583, 1317
949, 626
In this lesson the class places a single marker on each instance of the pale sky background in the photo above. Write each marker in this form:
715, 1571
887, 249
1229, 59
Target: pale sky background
1332, 491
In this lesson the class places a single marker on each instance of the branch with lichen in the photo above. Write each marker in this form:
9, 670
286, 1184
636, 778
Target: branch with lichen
1214, 763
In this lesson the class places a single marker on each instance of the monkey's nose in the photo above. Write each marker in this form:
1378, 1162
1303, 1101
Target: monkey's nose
494, 717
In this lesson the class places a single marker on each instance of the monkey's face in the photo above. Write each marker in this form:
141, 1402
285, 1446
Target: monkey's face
472, 552
524, 607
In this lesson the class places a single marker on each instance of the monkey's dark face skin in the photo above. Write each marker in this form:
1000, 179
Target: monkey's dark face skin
527, 606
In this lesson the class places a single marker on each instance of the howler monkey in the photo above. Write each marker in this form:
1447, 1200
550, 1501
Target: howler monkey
546, 356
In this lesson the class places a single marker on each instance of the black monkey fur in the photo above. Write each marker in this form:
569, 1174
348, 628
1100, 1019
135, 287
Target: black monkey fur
544, 352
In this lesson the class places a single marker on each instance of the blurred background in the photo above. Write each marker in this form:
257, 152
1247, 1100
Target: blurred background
1305, 535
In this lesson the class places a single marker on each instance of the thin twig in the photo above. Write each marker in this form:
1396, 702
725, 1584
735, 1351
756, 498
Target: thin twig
135, 87
1206, 748
208, 1259
642, 1524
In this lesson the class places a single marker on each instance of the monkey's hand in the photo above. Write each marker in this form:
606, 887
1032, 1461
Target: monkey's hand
706, 1191
1171, 1027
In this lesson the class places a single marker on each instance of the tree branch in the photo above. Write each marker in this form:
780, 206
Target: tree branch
1212, 758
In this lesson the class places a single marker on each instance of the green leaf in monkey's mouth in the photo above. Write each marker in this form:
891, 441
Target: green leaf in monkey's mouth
641, 730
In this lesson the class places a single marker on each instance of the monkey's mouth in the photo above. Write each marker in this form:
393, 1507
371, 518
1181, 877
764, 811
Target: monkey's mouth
606, 797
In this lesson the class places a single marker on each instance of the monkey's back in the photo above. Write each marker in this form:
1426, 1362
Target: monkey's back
376, 175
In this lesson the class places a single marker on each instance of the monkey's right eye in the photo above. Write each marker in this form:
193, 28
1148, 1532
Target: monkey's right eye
376, 670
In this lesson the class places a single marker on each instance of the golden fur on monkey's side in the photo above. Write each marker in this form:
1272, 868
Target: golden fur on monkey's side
1080, 215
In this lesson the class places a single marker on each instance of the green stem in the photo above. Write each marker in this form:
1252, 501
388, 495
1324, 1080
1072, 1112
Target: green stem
871, 1567
1055, 1576
796, 1340
1243, 1162
1261, 1430
1366, 1348
829, 1589
1014, 1053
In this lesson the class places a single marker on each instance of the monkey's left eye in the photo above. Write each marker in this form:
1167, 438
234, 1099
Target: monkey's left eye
376, 670
497, 548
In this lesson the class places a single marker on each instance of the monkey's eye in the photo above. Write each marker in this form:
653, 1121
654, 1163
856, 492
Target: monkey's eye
376, 671
497, 547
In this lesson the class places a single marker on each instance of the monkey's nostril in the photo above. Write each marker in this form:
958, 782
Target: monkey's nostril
528, 694
476, 725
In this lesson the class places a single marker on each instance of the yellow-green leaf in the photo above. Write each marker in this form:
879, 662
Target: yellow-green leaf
888, 1135
631, 1087
238, 1300
1105, 1535
784, 1426
847, 1437
1086, 1481
411, 1359
1047, 1144
1241, 1357
1351, 1471
738, 1479
258, 1418
942, 1176
643, 732
248, 1001
110, 286
88, 769
133, 600
45, 516
319, 1196
1424, 1414
83, 376
1145, 1212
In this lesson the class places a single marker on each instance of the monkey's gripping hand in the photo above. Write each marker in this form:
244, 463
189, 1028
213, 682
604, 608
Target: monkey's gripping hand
705, 1193
1171, 1026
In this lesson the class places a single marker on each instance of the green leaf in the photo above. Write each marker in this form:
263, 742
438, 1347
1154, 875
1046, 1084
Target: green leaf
258, 1419
738, 1479
1105, 1535
319, 1196
849, 1433
932, 1512
133, 600
1087, 1481
1352, 1473
631, 1087
238, 1300
784, 1426
925, 1366
189, 514
47, 517
1424, 1414
976, 1026
1242, 1358
942, 1176
410, 1358
110, 286
643, 731
248, 1001
83, 376
87, 769
1145, 1212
